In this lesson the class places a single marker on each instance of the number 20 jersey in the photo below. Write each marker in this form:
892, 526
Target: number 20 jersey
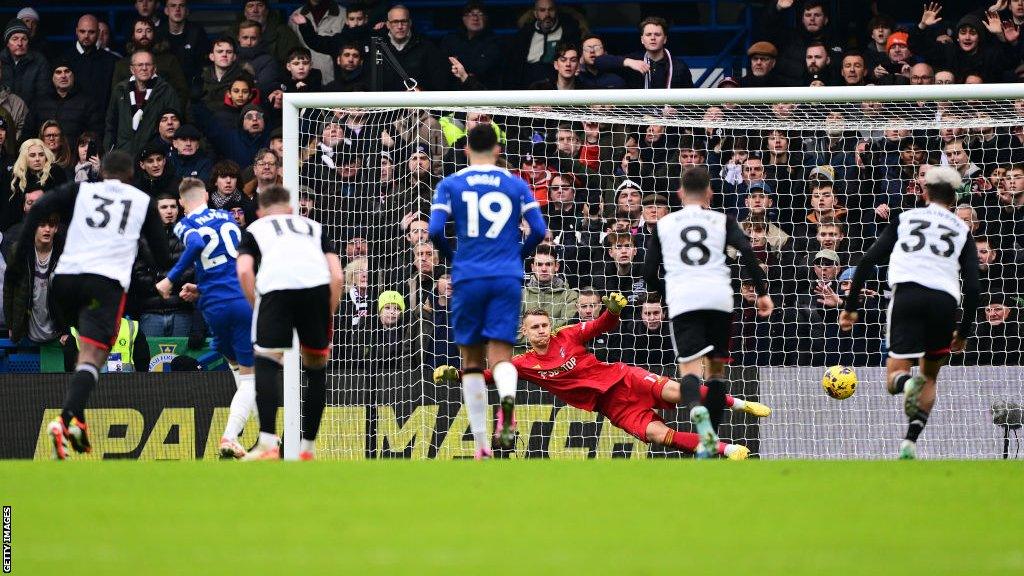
927, 251
486, 203
215, 265
693, 244
103, 237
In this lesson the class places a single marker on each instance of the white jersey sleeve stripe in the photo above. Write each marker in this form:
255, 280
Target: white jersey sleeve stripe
529, 206
443, 207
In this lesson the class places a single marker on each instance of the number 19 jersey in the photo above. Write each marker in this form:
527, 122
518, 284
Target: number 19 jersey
103, 237
486, 203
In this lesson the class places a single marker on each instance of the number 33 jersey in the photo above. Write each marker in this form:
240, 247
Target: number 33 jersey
927, 251
486, 203
103, 237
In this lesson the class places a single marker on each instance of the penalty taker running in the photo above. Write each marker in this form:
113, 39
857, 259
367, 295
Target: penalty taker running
211, 240
486, 202
628, 396
929, 251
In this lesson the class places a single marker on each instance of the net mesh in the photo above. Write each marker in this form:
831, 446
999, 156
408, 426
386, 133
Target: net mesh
811, 184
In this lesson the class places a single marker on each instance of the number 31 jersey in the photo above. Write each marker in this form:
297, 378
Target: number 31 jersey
929, 241
486, 203
103, 237
693, 242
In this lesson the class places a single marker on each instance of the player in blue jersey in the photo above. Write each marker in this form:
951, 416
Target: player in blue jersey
211, 240
486, 203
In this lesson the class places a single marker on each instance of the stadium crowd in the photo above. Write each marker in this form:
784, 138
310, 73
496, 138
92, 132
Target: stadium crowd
186, 104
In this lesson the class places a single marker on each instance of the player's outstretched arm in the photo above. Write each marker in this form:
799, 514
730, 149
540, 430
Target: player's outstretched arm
735, 237
971, 289
193, 247
654, 267
246, 265
879, 252
538, 228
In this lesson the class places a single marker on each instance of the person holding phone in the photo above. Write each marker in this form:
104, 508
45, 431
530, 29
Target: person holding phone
87, 158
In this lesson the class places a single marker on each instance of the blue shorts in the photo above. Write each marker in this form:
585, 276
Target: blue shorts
486, 309
231, 325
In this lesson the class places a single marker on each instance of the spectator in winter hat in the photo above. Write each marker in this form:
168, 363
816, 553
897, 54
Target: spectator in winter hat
36, 40
187, 160
25, 70
762, 65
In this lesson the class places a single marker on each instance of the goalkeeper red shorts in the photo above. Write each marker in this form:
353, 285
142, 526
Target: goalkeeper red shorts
631, 402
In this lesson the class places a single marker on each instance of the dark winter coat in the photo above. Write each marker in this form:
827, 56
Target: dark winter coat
94, 72
119, 134
18, 286
29, 78
518, 72
482, 55
76, 113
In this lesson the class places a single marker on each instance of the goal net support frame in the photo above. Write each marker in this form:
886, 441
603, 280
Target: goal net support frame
294, 103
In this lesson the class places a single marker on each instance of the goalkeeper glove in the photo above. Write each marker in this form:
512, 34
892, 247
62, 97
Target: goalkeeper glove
614, 302
445, 373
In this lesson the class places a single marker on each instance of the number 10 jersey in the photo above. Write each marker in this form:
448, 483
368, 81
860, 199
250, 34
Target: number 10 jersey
927, 251
103, 237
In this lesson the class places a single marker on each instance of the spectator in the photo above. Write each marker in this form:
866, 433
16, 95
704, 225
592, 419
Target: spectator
388, 351
895, 67
89, 62
145, 10
823, 207
87, 154
224, 69
168, 126
654, 67
27, 285
880, 27
763, 56
187, 39
73, 110
590, 77
14, 107
165, 62
241, 93
998, 339
223, 184
302, 77
475, 46
349, 75
103, 40
253, 55
547, 289
421, 275
853, 69
356, 31
325, 18
817, 64
417, 55
152, 176
566, 65
655, 207
622, 273
24, 70
266, 170
34, 169
54, 140
8, 154
922, 74
646, 341
187, 160
160, 317
277, 36
628, 202
37, 41
992, 268
972, 52
792, 43
241, 143
532, 50
605, 346
136, 106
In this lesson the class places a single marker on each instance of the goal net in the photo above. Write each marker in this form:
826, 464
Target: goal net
812, 176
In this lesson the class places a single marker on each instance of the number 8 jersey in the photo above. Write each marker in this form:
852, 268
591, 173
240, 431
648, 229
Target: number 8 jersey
929, 243
106, 223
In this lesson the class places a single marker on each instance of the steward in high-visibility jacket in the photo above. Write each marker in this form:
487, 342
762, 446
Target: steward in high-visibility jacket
130, 352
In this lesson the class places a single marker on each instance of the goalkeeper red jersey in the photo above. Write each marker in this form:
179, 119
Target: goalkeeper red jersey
568, 370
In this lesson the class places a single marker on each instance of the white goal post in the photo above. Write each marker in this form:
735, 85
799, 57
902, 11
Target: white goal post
841, 425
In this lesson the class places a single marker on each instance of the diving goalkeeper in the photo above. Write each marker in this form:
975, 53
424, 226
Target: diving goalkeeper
627, 396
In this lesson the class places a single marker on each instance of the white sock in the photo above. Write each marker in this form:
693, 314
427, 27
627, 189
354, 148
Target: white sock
269, 440
474, 394
737, 404
505, 379
242, 403
307, 446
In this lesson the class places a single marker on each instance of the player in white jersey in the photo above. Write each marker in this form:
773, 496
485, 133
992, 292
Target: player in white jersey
929, 250
292, 275
686, 262
90, 281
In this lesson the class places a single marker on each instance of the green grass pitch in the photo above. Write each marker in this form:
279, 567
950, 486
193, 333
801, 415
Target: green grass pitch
516, 517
